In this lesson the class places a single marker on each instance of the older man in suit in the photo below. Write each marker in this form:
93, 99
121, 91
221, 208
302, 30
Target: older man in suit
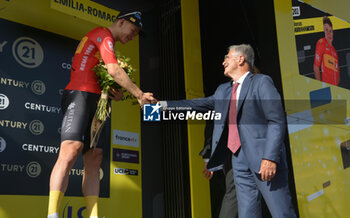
252, 127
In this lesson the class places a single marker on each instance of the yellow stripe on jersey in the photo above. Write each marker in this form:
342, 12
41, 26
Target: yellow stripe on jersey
81, 44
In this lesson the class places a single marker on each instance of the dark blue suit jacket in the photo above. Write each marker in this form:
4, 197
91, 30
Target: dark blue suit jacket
260, 119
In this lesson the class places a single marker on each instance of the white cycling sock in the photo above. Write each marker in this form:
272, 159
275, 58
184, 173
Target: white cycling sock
54, 215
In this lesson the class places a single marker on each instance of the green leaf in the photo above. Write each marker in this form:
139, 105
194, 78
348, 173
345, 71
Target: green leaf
106, 81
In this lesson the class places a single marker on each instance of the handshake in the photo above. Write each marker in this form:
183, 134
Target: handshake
143, 98
146, 98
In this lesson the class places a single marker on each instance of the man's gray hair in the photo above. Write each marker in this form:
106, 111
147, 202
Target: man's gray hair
246, 50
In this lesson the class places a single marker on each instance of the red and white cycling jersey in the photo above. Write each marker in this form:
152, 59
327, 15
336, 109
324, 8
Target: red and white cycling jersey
326, 56
99, 42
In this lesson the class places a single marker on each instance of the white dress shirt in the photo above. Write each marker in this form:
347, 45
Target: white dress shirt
240, 81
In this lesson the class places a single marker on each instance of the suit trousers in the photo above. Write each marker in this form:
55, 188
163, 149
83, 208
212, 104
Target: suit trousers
229, 202
250, 188
223, 193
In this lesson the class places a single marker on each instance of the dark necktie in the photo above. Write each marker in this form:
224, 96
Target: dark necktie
233, 142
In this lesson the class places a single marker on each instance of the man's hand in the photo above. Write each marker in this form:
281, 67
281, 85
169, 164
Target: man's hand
207, 174
115, 95
267, 170
146, 98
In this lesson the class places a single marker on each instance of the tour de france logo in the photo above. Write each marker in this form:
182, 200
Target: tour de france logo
36, 127
33, 169
27, 52
38, 87
4, 102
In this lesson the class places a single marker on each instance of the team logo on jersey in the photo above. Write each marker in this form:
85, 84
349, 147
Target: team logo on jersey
108, 44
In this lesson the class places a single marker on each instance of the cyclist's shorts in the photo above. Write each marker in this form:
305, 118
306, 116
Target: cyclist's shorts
78, 109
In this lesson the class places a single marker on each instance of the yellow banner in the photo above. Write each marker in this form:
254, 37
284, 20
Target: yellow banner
200, 193
86, 10
43, 17
315, 25
316, 149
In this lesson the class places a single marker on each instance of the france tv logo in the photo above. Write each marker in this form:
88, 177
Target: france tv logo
151, 112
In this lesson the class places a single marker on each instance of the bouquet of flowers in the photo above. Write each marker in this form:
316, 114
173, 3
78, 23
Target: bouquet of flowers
106, 82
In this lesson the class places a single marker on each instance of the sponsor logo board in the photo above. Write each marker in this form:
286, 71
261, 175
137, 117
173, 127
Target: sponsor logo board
124, 171
125, 138
123, 155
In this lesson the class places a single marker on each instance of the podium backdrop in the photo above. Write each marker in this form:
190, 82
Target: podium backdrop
37, 45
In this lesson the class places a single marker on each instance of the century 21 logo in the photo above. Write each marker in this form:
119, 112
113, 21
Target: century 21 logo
38, 87
36, 127
4, 101
27, 52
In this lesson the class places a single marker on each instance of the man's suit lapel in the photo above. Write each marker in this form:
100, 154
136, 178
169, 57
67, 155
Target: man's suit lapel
220, 151
244, 90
